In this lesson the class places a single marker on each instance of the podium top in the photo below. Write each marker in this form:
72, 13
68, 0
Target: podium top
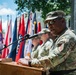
17, 65
11, 68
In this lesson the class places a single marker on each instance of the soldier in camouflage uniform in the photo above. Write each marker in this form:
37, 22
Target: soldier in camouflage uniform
36, 45
44, 48
47, 42
62, 55
35, 48
41, 50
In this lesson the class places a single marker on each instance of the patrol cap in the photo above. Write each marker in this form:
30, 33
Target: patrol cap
54, 15
44, 30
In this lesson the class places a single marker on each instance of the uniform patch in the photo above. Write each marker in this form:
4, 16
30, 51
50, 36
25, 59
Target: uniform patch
61, 46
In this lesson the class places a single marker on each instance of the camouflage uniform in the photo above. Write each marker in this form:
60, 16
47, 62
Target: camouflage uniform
41, 50
44, 49
62, 55
34, 53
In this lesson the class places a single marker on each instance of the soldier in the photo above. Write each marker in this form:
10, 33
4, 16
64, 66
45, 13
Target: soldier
62, 55
47, 42
36, 45
43, 49
39, 51
35, 48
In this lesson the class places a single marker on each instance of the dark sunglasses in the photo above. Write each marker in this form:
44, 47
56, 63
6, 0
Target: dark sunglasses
50, 22
35, 38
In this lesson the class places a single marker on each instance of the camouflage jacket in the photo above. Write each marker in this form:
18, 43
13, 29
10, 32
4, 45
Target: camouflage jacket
41, 50
34, 53
62, 55
44, 48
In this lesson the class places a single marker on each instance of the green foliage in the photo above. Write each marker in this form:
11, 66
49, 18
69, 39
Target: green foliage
44, 5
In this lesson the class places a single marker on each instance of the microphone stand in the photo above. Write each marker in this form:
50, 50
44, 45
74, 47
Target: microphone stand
21, 39
27, 36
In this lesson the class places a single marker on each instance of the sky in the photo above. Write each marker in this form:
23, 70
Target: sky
7, 7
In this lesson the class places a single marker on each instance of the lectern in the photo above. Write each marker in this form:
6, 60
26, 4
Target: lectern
11, 68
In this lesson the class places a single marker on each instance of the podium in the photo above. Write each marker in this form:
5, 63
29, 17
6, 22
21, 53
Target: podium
11, 68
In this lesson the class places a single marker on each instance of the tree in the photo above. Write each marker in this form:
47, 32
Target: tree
43, 5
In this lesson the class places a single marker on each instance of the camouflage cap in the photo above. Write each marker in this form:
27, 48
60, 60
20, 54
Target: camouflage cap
44, 30
54, 15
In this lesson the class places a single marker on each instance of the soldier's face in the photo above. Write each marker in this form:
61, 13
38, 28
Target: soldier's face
55, 27
35, 41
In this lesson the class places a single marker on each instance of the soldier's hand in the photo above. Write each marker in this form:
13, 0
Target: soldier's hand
27, 58
23, 61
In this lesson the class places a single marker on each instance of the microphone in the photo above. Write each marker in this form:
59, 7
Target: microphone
26, 36
35, 35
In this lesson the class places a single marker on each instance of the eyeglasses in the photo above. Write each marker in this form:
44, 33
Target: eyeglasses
40, 35
35, 38
50, 22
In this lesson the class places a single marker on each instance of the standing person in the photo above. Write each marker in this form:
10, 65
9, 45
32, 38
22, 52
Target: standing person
42, 50
35, 48
47, 42
36, 45
62, 55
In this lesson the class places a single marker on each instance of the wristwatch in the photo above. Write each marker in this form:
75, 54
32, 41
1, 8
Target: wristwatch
29, 63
